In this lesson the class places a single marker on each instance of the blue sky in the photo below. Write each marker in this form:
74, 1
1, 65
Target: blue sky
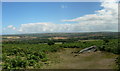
14, 14
51, 0
22, 13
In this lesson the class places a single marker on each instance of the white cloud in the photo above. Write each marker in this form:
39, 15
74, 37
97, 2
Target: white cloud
45, 27
103, 20
10, 30
11, 27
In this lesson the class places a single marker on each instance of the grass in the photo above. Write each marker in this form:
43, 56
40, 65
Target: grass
92, 60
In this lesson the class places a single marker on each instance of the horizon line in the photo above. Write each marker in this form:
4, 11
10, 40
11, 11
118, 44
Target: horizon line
62, 32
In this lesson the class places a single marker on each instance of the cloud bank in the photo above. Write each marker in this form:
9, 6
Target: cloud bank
103, 20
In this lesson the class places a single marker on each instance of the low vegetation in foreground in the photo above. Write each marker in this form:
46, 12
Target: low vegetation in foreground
37, 53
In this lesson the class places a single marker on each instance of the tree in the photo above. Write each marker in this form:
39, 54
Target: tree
106, 41
50, 43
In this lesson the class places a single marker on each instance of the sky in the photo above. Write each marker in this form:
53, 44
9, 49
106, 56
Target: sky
49, 17
51, 0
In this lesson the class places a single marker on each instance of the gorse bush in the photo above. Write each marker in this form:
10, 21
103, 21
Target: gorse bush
14, 63
18, 56
110, 46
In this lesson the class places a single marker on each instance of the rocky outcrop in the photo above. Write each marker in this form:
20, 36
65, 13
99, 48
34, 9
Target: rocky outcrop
89, 49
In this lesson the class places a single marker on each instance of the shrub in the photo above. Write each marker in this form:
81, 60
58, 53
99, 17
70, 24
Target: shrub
31, 62
15, 63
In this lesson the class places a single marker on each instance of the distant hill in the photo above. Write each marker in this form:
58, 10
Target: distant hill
67, 35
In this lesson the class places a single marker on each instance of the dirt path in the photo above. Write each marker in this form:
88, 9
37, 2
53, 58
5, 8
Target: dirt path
92, 60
